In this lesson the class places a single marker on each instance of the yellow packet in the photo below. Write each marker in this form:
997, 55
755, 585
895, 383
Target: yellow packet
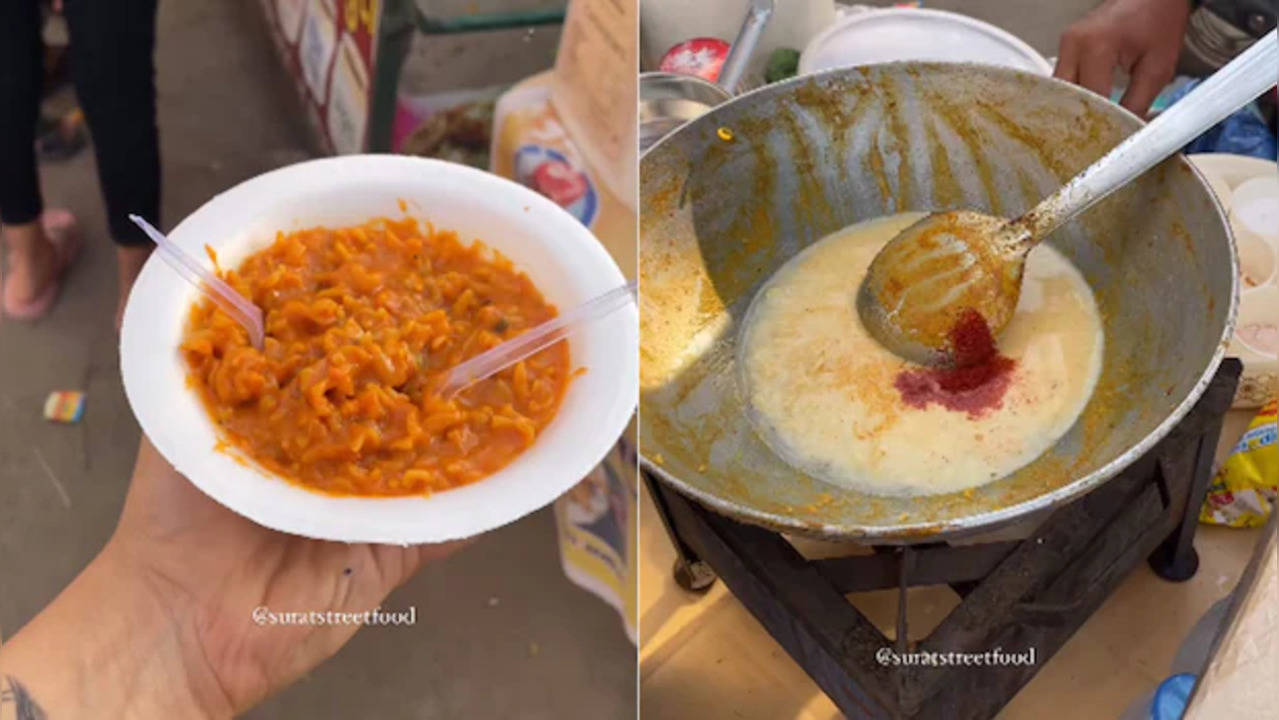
1243, 493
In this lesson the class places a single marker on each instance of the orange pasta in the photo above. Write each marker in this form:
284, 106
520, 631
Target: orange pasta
361, 324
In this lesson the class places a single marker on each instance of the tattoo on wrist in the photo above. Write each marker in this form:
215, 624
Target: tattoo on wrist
16, 702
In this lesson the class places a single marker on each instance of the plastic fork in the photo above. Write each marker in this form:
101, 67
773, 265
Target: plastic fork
539, 337
240, 308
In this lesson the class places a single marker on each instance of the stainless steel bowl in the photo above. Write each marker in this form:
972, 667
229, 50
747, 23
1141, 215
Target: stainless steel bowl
669, 100
807, 157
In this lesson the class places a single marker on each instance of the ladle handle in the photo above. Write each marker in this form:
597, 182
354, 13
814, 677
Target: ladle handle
739, 55
1236, 84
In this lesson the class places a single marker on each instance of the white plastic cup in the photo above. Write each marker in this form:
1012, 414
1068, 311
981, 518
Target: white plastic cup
1257, 260
1255, 205
1257, 325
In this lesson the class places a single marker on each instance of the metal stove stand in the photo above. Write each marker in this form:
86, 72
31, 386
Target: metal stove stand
1014, 595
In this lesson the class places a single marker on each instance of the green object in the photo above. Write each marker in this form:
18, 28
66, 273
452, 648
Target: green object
783, 63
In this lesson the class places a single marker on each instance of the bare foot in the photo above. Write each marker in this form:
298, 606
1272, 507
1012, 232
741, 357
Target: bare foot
32, 262
129, 261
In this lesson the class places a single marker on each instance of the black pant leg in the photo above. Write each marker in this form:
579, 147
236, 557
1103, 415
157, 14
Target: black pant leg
112, 63
21, 75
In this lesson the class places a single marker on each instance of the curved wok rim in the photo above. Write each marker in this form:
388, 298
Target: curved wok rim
986, 521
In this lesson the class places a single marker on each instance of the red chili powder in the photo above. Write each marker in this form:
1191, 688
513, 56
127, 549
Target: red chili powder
977, 381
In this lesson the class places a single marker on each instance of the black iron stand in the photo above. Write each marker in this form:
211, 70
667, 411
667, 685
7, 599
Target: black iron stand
1015, 595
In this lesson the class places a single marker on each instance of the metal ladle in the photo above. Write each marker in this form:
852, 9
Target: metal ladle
925, 279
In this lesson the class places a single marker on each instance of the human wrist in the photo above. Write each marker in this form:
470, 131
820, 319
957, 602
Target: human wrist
108, 646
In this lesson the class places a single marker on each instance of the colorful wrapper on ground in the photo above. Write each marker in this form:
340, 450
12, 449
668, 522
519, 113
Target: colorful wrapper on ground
1243, 493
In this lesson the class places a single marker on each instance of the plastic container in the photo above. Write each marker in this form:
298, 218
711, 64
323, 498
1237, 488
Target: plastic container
1248, 188
1254, 216
1255, 204
559, 254
876, 36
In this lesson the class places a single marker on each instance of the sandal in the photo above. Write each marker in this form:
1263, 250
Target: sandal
63, 231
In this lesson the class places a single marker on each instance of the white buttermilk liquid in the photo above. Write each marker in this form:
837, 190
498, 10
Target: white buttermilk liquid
821, 390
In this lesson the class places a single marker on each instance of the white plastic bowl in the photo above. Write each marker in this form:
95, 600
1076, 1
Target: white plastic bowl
876, 36
560, 255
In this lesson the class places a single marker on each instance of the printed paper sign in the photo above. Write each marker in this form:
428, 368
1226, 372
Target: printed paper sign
348, 99
316, 49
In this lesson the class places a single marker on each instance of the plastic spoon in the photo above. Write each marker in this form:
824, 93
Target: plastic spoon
232, 303
538, 337
950, 263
